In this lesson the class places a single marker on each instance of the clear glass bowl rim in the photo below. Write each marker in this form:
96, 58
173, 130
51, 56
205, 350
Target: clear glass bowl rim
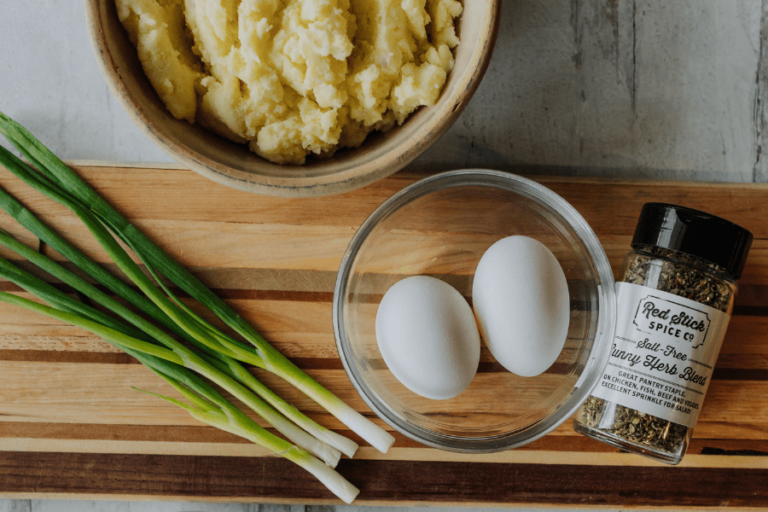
606, 318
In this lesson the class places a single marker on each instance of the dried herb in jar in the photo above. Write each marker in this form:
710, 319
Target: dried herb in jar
674, 303
635, 426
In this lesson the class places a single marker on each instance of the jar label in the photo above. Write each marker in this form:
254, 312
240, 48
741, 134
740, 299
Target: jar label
663, 354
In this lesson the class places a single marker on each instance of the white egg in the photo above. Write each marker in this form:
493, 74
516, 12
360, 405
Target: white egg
428, 337
521, 301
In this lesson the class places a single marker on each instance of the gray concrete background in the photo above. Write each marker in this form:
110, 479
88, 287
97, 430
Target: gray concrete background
620, 88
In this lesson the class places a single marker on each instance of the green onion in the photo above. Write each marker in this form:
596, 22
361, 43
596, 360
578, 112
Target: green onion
181, 355
223, 363
171, 360
73, 190
111, 335
215, 410
197, 334
212, 416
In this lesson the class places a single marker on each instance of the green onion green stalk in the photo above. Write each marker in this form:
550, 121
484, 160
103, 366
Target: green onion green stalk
70, 185
43, 232
220, 361
208, 405
205, 350
185, 356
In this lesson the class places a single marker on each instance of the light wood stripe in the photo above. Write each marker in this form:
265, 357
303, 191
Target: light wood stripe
29, 336
561, 440
368, 453
55, 392
87, 436
202, 440
20, 444
205, 200
294, 246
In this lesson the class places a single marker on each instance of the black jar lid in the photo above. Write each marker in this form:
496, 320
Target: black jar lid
694, 232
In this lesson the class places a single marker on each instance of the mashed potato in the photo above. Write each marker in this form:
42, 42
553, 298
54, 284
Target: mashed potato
294, 77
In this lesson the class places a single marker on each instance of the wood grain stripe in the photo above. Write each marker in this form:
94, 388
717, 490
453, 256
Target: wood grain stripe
88, 431
318, 285
265, 478
558, 441
313, 363
742, 459
46, 356
739, 202
234, 294
51, 393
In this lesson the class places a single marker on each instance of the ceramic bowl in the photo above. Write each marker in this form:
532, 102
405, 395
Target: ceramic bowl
234, 165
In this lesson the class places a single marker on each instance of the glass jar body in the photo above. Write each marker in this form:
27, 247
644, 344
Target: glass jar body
631, 429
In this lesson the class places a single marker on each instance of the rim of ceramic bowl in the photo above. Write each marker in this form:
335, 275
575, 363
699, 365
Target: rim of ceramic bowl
605, 322
384, 160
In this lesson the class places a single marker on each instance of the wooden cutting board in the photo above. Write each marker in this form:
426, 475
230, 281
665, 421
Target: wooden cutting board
70, 426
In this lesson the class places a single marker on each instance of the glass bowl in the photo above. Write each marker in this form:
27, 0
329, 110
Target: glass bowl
441, 226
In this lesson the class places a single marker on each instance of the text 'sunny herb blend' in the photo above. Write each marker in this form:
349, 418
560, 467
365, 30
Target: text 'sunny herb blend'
674, 302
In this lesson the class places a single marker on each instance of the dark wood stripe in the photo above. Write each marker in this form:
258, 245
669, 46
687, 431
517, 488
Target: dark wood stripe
45, 356
232, 294
276, 295
265, 478
750, 310
750, 452
752, 299
557, 484
739, 374
61, 356
307, 363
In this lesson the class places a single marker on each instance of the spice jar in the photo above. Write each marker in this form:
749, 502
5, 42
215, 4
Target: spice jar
674, 302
